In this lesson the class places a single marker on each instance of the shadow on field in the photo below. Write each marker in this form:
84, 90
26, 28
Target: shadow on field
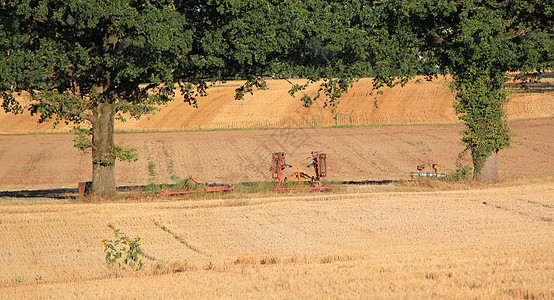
50, 193
368, 182
543, 86
61, 193
72, 193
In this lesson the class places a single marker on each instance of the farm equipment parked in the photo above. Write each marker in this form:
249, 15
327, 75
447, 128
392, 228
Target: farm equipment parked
425, 163
192, 186
318, 163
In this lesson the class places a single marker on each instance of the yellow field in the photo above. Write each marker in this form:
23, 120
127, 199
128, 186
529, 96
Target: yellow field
420, 101
488, 242
403, 240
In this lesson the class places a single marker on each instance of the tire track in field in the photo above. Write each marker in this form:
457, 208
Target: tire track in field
537, 203
548, 220
180, 238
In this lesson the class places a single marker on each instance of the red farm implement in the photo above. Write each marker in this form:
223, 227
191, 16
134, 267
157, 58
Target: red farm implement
192, 186
318, 163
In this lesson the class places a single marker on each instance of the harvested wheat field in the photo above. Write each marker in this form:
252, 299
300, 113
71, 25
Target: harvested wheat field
419, 102
489, 242
365, 239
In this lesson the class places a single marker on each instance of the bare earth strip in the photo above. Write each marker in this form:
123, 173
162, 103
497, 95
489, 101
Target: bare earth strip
486, 243
372, 153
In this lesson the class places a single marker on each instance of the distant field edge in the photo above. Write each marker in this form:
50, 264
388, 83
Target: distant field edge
200, 129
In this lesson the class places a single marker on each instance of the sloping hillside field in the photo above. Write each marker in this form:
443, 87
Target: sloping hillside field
376, 235
419, 102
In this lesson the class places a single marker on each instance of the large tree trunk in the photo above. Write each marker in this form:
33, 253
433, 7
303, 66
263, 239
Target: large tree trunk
103, 158
489, 172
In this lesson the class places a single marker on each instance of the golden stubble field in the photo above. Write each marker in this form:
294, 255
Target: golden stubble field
401, 240
418, 102
485, 242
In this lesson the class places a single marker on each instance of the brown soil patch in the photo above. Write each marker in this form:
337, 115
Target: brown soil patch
358, 154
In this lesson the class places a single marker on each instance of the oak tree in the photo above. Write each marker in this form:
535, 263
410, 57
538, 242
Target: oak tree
89, 62
475, 42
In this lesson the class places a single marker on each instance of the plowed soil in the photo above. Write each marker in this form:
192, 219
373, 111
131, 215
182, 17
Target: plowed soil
373, 153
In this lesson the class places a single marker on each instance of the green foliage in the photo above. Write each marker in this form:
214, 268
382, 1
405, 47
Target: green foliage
151, 170
82, 141
119, 152
67, 49
255, 187
479, 103
477, 42
84, 60
332, 89
462, 172
123, 252
124, 153
82, 138
248, 87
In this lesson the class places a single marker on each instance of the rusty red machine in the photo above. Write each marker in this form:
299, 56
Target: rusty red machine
318, 163
193, 186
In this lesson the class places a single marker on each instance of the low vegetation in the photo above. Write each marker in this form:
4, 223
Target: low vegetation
123, 252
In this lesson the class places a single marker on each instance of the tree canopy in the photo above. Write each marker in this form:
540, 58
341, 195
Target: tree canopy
476, 42
89, 62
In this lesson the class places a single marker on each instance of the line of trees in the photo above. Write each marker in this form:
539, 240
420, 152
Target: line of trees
90, 62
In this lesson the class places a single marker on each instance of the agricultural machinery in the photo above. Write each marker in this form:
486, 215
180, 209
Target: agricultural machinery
318, 163
424, 164
192, 186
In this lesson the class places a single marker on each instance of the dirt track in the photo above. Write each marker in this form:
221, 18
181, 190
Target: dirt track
359, 154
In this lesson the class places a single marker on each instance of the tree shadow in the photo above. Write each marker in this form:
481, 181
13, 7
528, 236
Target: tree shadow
62, 193
57, 193
73, 193
543, 86
368, 182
